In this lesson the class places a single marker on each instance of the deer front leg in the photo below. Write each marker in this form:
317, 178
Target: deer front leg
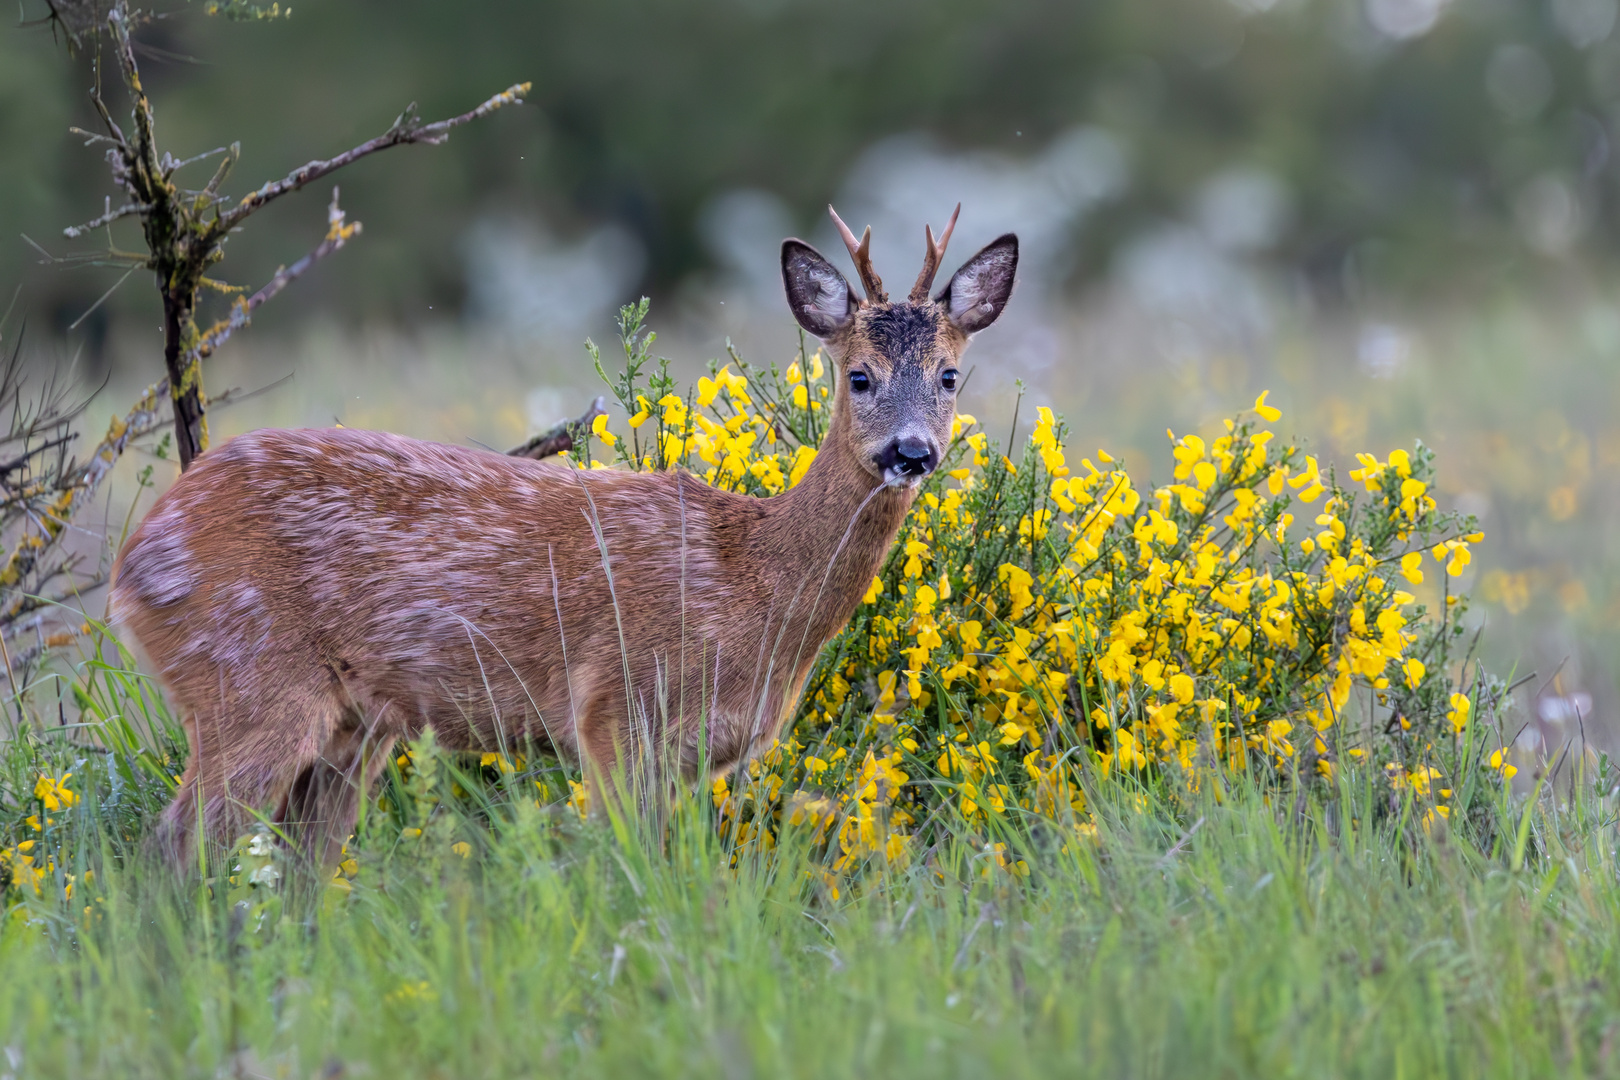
596, 729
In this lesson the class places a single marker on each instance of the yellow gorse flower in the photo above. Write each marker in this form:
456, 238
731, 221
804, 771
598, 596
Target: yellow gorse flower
52, 792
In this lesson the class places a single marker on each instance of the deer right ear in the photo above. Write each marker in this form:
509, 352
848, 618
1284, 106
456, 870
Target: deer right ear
816, 291
977, 292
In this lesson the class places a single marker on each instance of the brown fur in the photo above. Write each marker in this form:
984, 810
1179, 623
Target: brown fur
312, 597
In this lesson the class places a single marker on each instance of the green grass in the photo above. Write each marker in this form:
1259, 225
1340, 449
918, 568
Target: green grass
1194, 936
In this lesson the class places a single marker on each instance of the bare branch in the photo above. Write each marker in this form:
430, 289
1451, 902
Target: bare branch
406, 129
337, 234
73, 232
9, 467
91, 138
562, 437
114, 132
226, 164
145, 135
171, 166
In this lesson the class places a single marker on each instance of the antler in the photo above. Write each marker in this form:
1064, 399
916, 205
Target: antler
862, 254
931, 258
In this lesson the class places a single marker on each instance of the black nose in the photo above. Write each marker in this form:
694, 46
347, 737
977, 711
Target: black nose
910, 456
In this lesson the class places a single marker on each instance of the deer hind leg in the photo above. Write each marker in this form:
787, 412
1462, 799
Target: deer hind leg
245, 757
323, 802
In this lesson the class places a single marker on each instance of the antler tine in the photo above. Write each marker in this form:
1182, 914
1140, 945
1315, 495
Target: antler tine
862, 254
932, 257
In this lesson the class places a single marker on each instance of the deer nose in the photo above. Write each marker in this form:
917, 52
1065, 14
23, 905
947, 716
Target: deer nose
910, 456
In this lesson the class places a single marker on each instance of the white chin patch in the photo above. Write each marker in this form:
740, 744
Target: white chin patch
895, 477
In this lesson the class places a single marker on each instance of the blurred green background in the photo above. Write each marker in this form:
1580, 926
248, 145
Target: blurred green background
1398, 215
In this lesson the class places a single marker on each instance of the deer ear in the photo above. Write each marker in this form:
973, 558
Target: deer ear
816, 291
977, 292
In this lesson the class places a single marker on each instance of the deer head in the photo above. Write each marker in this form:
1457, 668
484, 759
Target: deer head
897, 363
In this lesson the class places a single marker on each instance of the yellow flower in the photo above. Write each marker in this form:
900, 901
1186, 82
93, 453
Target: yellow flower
1018, 587
1412, 567
873, 591
1414, 672
642, 412
709, 388
915, 550
1187, 452
52, 793
1269, 413
599, 429
802, 457
579, 798
1500, 763
1458, 714
1181, 687
1310, 480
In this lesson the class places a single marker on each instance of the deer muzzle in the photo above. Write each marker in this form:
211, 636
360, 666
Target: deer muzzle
907, 460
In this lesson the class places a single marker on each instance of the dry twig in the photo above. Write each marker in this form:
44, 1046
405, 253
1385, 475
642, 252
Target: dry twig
562, 437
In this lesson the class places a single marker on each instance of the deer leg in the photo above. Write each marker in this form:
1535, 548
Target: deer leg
607, 769
197, 809
323, 803
243, 761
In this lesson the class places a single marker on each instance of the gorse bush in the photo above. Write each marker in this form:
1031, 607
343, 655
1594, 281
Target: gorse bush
1042, 621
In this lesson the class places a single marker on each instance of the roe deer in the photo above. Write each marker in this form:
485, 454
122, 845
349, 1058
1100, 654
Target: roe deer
311, 597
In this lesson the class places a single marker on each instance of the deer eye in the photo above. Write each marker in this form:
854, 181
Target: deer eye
947, 378
858, 382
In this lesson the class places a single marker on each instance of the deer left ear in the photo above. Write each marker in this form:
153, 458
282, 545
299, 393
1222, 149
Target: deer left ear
977, 292
816, 292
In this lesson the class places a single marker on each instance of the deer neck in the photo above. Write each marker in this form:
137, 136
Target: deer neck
825, 540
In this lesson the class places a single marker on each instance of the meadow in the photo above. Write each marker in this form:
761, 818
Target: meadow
1324, 939
1202, 778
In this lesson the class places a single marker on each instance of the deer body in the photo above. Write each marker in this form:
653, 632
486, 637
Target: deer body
311, 597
